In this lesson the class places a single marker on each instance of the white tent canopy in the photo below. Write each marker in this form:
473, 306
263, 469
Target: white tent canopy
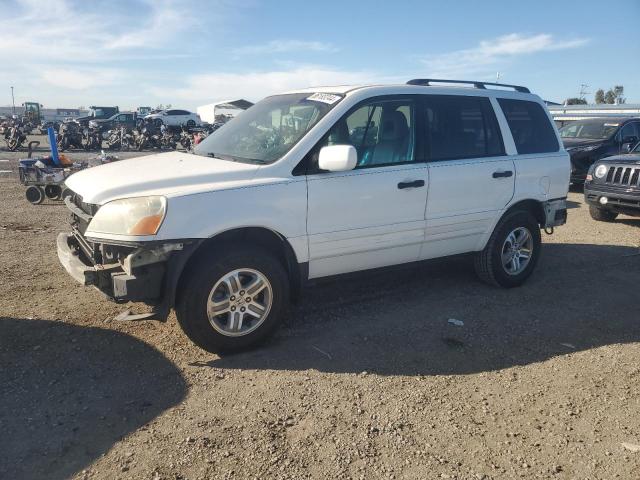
227, 107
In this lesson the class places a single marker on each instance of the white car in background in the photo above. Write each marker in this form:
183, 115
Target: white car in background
175, 118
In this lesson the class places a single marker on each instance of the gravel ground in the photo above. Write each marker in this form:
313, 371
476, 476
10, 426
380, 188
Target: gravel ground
367, 379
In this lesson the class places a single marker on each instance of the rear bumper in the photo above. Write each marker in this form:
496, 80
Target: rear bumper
555, 212
145, 285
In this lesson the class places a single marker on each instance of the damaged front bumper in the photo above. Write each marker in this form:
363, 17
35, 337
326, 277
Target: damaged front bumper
145, 274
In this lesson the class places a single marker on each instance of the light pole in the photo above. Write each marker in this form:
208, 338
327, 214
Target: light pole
13, 102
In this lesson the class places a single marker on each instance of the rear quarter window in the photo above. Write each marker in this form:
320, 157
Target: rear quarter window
530, 126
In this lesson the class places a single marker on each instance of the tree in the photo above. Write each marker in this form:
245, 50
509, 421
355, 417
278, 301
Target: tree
575, 101
613, 95
610, 97
618, 92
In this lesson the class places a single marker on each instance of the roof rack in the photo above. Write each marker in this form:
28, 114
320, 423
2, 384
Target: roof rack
483, 85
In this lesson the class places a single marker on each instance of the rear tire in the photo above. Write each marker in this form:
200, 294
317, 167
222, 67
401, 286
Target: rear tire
34, 194
215, 332
602, 214
495, 264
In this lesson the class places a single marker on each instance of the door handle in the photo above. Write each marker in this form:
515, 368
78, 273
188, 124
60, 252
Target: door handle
413, 184
503, 174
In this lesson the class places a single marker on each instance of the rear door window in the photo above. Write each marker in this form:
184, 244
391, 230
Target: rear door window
459, 127
530, 126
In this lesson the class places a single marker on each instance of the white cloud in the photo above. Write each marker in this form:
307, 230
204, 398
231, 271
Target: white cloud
491, 53
285, 46
64, 31
166, 19
80, 78
211, 87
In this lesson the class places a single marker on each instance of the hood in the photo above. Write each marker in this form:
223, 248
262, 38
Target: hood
169, 174
581, 142
633, 158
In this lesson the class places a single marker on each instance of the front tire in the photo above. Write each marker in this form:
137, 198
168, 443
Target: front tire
512, 251
602, 214
233, 298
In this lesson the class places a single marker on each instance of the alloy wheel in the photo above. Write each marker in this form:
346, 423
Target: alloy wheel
239, 302
517, 250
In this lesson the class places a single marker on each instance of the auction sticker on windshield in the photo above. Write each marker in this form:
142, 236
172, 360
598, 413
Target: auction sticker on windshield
328, 98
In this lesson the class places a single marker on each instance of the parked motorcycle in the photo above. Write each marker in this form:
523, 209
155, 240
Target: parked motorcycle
168, 139
92, 138
148, 138
70, 136
14, 136
120, 139
186, 138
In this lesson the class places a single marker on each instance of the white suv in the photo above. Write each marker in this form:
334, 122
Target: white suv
315, 183
175, 118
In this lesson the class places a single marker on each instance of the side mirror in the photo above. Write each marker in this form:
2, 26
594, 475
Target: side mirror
338, 158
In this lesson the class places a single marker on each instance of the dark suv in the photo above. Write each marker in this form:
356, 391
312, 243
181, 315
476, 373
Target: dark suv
612, 186
122, 119
97, 113
590, 140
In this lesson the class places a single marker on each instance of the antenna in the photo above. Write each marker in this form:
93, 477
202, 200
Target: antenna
583, 91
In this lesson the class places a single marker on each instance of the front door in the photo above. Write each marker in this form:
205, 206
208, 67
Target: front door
373, 215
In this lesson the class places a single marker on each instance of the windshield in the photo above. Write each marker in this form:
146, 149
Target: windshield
589, 129
269, 129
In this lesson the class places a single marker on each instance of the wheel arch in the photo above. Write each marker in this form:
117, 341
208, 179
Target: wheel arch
530, 205
260, 236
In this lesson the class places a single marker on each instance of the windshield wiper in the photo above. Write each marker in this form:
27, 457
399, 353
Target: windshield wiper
220, 157
232, 158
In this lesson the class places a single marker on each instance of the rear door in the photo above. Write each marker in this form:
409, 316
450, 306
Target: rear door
471, 177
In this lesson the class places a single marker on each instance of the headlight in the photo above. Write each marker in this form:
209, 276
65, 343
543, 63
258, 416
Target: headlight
601, 171
130, 216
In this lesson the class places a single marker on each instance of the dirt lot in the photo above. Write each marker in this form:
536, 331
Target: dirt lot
366, 380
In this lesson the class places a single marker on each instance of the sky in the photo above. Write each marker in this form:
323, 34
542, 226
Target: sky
130, 53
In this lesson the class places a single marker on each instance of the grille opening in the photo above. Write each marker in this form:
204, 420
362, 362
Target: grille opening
623, 175
618, 174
